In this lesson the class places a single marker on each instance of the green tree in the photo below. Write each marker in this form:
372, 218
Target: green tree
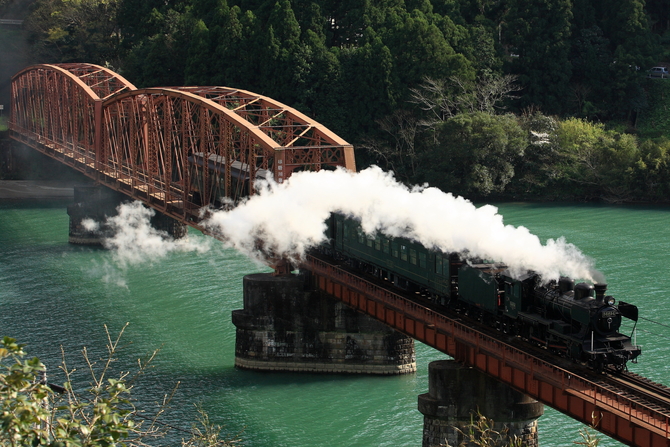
634, 48
579, 140
537, 173
323, 73
599, 161
420, 50
159, 59
592, 72
651, 171
365, 88
34, 412
140, 19
538, 33
475, 154
347, 21
659, 15
198, 65
234, 63
76, 31
282, 58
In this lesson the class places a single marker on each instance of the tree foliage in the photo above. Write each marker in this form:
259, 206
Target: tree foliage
475, 154
34, 412
538, 32
76, 30
389, 76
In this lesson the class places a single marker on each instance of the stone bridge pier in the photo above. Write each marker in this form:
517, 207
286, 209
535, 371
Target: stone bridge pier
287, 326
458, 395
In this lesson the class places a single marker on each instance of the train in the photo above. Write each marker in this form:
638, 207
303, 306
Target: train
576, 321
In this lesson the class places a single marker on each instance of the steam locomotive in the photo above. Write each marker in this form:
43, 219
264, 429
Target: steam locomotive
577, 321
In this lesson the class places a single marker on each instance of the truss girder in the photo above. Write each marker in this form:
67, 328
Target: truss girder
51, 104
307, 145
176, 149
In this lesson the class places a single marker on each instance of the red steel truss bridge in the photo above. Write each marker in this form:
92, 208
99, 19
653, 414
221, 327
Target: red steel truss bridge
177, 149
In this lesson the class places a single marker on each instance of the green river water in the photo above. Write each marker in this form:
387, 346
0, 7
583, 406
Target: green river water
55, 295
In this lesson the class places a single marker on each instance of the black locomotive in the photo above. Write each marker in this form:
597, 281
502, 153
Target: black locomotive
577, 321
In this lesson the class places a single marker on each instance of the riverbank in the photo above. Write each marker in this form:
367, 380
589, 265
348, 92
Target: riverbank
35, 190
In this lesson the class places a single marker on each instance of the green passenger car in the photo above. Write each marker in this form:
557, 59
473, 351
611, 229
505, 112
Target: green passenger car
401, 260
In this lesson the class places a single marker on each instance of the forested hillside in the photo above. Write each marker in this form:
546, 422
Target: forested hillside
487, 98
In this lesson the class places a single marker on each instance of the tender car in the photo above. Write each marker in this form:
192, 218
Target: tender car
658, 72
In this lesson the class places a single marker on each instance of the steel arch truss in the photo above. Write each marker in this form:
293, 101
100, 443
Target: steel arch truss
177, 149
60, 105
305, 144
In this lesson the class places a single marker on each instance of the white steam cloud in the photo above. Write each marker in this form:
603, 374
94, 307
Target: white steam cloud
135, 241
289, 218
90, 224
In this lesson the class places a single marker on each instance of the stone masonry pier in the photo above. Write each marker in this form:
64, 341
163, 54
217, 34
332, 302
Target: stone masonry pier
458, 395
285, 326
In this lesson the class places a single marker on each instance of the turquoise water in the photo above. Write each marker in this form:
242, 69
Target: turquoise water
53, 294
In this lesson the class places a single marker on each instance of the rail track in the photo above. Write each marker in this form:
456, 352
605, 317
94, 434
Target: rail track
638, 389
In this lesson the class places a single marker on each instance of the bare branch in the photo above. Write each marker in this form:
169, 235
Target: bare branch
446, 98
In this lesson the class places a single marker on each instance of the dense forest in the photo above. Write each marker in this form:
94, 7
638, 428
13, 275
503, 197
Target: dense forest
545, 99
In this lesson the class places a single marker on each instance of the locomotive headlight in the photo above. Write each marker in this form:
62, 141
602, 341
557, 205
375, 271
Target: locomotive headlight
610, 300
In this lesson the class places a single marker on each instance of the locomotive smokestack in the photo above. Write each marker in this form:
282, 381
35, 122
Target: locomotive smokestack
600, 291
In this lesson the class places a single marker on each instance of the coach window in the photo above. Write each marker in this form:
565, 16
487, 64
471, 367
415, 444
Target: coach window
394, 251
378, 242
361, 236
346, 230
370, 241
403, 252
386, 245
412, 256
438, 264
422, 260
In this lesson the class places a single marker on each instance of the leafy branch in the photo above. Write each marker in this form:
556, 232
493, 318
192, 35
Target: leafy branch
37, 413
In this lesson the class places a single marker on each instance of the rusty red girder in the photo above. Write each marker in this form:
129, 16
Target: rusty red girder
154, 143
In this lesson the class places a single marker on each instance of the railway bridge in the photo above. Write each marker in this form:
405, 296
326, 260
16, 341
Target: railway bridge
144, 143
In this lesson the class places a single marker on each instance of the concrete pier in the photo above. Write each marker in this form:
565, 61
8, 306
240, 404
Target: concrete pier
285, 326
458, 394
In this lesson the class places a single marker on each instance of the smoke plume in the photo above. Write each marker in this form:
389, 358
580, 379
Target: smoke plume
135, 241
290, 217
